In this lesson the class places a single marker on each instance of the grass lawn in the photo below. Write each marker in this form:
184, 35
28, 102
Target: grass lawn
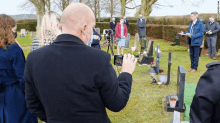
145, 103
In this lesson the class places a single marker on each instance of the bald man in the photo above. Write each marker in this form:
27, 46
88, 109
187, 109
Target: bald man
69, 82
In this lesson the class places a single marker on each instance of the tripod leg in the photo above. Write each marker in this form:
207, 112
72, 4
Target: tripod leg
108, 48
112, 51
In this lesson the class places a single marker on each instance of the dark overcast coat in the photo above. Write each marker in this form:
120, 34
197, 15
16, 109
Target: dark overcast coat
205, 107
69, 82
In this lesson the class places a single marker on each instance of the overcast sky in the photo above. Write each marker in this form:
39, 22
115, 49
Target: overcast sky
12, 7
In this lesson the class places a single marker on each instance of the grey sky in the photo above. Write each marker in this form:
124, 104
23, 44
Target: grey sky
11, 7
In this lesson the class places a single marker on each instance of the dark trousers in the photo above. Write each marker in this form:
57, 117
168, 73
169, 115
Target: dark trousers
200, 52
194, 56
211, 42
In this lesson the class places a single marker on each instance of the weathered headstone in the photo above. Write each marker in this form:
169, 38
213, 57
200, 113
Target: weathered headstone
32, 34
127, 40
23, 32
147, 56
180, 92
177, 40
136, 42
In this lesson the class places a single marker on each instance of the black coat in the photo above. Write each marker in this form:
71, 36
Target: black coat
205, 107
95, 42
126, 23
141, 27
112, 25
69, 82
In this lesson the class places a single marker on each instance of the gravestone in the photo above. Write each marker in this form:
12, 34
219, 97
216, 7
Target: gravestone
23, 32
177, 40
169, 67
176, 117
180, 92
127, 40
35, 44
97, 30
143, 44
32, 34
147, 56
136, 42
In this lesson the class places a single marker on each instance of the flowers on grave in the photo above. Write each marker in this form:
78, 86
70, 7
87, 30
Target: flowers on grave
173, 100
153, 64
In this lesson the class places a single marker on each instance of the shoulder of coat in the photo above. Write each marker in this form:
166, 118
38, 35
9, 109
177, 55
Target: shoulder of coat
213, 65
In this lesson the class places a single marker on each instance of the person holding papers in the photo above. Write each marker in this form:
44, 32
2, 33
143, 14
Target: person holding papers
195, 36
121, 32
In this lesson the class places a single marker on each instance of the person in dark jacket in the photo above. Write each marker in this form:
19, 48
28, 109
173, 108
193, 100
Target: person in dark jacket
126, 22
205, 107
69, 82
113, 24
96, 39
13, 108
141, 23
211, 30
195, 34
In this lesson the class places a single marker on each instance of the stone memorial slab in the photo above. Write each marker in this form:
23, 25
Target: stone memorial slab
23, 32
180, 92
127, 40
136, 42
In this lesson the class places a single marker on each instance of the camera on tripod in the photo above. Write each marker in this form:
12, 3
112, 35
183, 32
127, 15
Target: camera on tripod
108, 33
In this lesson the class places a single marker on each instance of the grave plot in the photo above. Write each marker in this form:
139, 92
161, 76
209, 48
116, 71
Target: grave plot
176, 101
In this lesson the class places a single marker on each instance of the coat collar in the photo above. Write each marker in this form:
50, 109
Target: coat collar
198, 20
68, 38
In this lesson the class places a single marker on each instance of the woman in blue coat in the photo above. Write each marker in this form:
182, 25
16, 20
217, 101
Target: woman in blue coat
13, 108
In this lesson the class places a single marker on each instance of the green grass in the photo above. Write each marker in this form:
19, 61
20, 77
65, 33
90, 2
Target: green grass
145, 103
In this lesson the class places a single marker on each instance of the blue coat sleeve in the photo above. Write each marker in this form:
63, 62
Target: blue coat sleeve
115, 91
201, 32
33, 102
18, 64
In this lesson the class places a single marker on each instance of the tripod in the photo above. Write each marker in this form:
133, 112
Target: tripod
110, 46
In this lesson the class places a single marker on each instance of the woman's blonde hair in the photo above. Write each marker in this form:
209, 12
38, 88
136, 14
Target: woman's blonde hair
6, 35
49, 24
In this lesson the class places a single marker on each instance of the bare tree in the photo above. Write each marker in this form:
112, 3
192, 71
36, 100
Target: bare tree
40, 11
112, 7
62, 4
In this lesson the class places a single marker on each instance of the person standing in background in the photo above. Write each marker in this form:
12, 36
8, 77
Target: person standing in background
202, 46
126, 22
13, 107
141, 23
195, 34
96, 39
121, 32
50, 28
211, 30
113, 24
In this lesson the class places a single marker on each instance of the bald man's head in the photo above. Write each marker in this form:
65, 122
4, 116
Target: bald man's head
78, 19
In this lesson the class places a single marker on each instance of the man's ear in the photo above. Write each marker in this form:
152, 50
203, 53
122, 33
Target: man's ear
84, 29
